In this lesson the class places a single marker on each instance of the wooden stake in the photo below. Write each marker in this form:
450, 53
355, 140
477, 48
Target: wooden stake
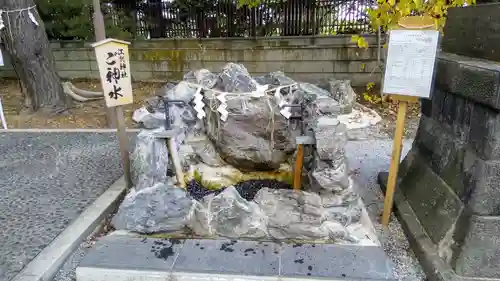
396, 157
297, 176
177, 162
123, 140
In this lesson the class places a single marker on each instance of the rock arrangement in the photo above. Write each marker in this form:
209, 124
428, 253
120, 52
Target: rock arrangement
255, 139
330, 164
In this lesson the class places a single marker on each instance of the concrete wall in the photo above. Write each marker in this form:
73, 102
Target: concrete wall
311, 59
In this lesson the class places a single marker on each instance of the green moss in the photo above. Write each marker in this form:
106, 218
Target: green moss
284, 43
279, 175
234, 176
197, 176
206, 183
176, 60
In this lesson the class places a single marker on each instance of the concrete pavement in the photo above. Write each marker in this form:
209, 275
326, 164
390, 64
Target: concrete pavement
46, 181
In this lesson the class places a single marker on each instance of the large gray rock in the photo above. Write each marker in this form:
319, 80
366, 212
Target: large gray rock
160, 208
202, 77
149, 160
322, 100
276, 78
342, 92
344, 207
330, 171
228, 214
255, 135
205, 151
331, 137
329, 174
181, 116
234, 78
298, 215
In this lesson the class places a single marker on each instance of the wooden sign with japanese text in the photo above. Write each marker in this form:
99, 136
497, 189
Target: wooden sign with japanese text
114, 68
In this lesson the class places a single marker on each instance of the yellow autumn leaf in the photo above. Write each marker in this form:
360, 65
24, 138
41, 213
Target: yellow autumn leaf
436, 10
407, 11
386, 13
362, 42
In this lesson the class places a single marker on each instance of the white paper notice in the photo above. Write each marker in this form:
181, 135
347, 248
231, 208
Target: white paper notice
410, 62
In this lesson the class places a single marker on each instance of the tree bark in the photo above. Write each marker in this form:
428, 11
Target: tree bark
28, 46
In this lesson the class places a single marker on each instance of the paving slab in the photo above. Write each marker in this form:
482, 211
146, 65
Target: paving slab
229, 256
46, 181
335, 261
121, 257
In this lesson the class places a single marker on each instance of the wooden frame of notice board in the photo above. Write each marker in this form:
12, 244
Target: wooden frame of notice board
409, 75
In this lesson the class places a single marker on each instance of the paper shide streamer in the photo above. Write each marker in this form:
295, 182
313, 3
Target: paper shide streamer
19, 13
223, 97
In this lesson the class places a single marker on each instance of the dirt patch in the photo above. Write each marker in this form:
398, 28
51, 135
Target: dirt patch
388, 112
81, 115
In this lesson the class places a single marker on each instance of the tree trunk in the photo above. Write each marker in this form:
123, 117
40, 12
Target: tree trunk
28, 46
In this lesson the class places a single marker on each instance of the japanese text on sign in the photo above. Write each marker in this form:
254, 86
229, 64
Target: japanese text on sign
113, 61
410, 62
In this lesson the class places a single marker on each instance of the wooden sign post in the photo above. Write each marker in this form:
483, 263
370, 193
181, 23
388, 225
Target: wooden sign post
114, 68
408, 76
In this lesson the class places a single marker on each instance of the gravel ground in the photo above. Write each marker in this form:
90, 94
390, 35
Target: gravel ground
366, 159
384, 130
46, 181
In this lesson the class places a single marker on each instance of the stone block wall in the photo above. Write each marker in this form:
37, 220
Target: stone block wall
451, 176
305, 58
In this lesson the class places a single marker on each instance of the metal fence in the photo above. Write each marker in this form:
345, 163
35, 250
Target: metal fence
225, 18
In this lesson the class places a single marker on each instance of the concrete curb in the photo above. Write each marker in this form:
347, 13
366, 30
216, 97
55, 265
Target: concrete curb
96, 274
46, 264
64, 130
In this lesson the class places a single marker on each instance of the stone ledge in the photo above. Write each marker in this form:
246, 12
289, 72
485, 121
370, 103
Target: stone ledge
472, 178
121, 257
477, 80
476, 125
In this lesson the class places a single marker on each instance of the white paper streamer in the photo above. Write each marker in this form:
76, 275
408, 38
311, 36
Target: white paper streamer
19, 11
199, 104
2, 116
2, 25
32, 18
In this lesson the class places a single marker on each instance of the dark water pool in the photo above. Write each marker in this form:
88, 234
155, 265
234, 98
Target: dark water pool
247, 189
